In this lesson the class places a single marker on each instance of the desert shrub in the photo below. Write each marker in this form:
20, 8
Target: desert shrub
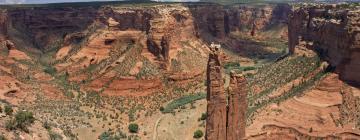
133, 128
46, 125
8, 110
105, 136
162, 109
21, 121
10, 125
55, 136
198, 134
2, 137
50, 70
203, 116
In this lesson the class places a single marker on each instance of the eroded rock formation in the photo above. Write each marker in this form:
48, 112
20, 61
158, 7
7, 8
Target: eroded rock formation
216, 108
334, 32
226, 116
237, 106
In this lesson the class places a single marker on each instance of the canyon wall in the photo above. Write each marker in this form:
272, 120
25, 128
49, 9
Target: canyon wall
209, 21
333, 32
3, 20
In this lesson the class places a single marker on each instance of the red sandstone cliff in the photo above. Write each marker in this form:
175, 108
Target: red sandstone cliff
333, 32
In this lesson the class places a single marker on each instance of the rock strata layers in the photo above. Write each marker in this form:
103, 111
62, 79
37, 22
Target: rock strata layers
333, 32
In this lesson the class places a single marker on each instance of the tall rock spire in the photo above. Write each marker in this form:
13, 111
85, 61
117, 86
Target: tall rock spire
226, 116
216, 108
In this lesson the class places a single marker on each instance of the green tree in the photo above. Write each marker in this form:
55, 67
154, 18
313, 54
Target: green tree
203, 116
133, 128
198, 134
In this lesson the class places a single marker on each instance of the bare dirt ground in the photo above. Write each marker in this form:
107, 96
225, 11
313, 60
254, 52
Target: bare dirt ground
316, 113
183, 124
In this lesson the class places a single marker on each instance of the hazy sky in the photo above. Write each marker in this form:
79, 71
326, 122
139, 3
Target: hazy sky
57, 1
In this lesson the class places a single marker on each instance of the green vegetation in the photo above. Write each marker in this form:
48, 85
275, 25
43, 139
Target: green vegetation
147, 70
198, 134
50, 70
105, 136
269, 77
109, 135
55, 136
133, 128
2, 137
203, 116
183, 101
162, 109
46, 125
293, 92
235, 66
21, 121
8, 110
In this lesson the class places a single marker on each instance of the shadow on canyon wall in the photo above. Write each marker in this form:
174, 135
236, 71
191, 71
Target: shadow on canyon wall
46, 26
215, 23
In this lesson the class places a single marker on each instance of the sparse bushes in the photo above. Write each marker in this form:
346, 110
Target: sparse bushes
55, 136
133, 128
8, 110
50, 70
21, 121
198, 134
183, 101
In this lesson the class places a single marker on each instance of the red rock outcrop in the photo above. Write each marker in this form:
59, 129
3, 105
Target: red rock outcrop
333, 32
237, 106
226, 117
216, 108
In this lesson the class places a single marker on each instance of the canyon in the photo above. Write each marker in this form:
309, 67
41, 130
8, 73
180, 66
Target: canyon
89, 70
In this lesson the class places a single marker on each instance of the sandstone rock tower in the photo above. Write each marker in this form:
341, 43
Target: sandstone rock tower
237, 105
226, 117
216, 108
